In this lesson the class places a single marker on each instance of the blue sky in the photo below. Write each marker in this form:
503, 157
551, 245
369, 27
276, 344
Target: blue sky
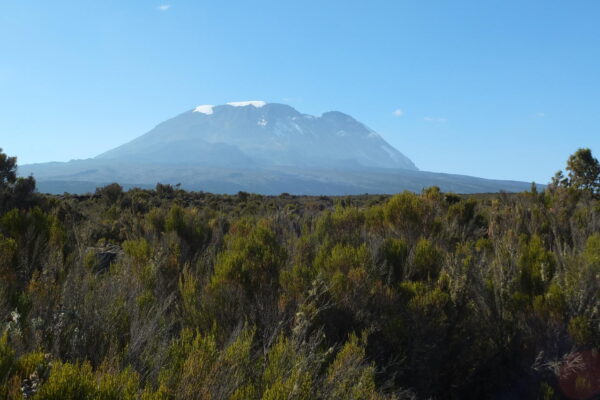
498, 89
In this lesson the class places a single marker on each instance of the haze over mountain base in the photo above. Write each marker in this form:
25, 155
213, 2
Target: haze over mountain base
85, 176
257, 147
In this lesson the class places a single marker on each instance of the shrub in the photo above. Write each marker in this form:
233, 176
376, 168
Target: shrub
350, 376
69, 382
536, 265
110, 193
407, 213
395, 255
426, 261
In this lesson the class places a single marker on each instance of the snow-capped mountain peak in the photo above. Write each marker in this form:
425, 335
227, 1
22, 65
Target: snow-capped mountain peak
205, 109
255, 133
254, 103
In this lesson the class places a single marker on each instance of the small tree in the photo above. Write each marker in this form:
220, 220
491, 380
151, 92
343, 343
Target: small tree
111, 193
14, 191
8, 170
584, 170
583, 173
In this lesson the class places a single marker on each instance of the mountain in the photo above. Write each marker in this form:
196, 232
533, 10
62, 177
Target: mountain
257, 147
256, 133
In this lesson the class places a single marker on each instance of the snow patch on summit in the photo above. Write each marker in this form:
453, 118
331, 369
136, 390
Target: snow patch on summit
255, 103
205, 109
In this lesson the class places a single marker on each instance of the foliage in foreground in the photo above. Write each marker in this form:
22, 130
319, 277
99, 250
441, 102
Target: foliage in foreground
167, 294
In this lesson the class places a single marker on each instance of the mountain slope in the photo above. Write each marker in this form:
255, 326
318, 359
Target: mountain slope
257, 147
262, 134
80, 176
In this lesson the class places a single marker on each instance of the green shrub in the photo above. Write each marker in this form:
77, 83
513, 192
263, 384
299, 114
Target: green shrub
350, 376
7, 362
580, 330
395, 254
289, 373
69, 382
536, 265
344, 225
591, 253
174, 222
348, 271
407, 213
426, 261
253, 258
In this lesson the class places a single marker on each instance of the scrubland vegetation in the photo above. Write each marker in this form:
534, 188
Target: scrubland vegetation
167, 294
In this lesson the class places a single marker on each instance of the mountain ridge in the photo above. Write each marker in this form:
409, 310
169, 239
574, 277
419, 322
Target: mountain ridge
259, 147
267, 134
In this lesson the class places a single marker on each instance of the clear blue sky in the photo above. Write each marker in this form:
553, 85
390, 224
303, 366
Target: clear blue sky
498, 89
